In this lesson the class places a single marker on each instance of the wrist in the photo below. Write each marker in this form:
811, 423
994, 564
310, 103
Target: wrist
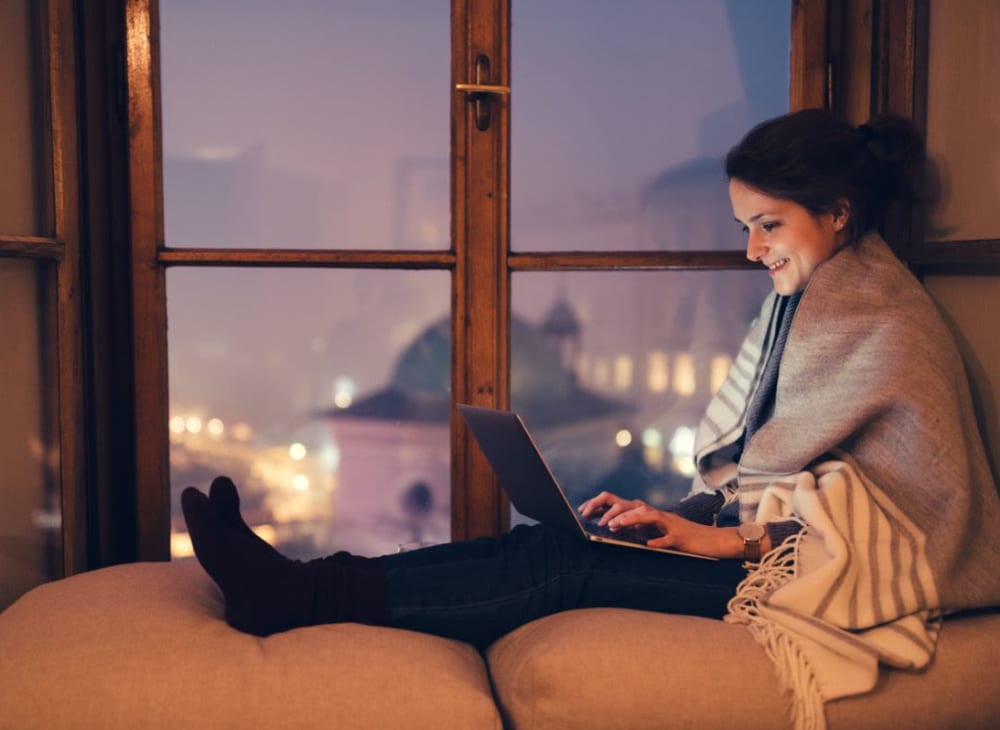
755, 541
731, 544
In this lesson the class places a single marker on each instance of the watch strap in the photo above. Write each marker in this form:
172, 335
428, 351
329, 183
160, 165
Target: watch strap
752, 534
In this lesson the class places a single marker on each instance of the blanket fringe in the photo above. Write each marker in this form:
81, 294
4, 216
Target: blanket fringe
794, 672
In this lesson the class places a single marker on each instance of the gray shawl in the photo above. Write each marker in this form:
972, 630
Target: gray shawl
874, 447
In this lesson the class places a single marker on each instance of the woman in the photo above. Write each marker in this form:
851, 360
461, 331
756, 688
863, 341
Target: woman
842, 448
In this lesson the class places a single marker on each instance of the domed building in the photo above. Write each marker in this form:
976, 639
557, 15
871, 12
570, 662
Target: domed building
394, 472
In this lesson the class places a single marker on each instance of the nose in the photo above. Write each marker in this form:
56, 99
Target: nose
756, 248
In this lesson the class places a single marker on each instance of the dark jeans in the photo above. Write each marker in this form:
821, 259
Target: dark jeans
479, 590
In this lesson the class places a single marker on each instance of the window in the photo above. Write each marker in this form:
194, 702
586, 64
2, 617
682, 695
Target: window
348, 368
41, 525
85, 274
616, 147
398, 253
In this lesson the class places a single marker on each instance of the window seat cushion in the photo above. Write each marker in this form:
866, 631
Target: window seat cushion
145, 646
601, 668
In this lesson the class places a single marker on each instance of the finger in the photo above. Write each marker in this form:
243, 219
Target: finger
612, 512
592, 507
597, 502
667, 541
633, 515
641, 516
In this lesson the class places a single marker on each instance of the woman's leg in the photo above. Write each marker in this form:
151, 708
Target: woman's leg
475, 590
479, 590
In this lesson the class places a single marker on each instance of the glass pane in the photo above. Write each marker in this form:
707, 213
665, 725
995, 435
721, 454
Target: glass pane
324, 394
22, 202
963, 65
30, 521
623, 110
306, 124
612, 371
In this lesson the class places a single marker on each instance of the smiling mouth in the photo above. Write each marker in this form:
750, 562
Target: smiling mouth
777, 264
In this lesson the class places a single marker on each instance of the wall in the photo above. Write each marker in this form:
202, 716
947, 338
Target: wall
963, 129
963, 118
967, 302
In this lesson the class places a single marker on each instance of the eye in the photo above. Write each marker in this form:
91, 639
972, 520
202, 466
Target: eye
744, 229
769, 226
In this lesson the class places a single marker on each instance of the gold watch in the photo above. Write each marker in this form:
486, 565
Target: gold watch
752, 534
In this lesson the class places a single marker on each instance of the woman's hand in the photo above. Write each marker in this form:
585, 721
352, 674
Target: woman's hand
608, 506
679, 533
683, 534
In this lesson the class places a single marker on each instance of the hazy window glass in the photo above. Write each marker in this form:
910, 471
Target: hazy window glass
612, 371
30, 521
22, 199
622, 111
306, 124
324, 394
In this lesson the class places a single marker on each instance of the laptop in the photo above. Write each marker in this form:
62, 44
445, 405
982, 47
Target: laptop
533, 489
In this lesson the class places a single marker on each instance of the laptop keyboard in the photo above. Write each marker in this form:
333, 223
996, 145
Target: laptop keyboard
638, 533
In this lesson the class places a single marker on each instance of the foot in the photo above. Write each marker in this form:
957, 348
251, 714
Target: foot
225, 500
264, 591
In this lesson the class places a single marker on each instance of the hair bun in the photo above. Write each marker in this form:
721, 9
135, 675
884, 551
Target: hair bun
893, 138
898, 148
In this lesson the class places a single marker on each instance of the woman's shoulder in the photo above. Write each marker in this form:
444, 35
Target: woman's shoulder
868, 281
898, 292
866, 300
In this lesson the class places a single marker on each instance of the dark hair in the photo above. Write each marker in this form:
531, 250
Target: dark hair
817, 160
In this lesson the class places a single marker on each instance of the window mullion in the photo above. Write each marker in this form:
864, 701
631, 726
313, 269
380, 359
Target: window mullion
149, 328
481, 284
810, 83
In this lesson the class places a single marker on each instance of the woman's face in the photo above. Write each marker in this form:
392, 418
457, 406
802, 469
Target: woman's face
788, 239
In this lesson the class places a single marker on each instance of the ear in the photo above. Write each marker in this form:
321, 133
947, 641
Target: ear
841, 215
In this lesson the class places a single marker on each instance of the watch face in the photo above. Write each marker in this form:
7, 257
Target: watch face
751, 531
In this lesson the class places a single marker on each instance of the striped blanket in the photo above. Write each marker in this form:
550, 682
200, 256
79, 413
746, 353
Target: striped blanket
873, 446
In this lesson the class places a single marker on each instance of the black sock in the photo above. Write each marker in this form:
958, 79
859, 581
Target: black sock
225, 500
265, 592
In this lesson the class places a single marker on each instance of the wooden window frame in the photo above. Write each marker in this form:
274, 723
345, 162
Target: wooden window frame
61, 292
480, 260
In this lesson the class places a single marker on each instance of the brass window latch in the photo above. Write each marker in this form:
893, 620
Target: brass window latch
481, 93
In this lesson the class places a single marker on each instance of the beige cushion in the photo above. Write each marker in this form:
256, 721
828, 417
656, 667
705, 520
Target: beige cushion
603, 668
144, 645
